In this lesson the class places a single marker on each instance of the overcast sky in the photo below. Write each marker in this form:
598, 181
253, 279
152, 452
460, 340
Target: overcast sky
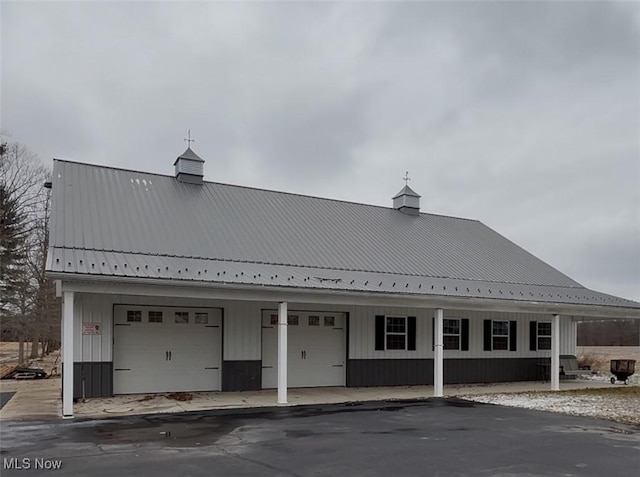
525, 116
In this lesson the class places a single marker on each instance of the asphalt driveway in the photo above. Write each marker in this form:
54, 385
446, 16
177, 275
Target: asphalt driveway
431, 437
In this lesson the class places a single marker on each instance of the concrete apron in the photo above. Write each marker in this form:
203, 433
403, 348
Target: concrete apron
40, 399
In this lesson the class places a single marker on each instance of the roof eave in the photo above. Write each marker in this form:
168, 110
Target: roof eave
201, 289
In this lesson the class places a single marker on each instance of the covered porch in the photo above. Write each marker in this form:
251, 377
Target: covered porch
99, 296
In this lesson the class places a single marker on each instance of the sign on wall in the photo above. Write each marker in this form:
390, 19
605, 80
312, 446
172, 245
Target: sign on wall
90, 328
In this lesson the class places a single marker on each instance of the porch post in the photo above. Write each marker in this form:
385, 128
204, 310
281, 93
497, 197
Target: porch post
67, 355
555, 353
438, 382
282, 353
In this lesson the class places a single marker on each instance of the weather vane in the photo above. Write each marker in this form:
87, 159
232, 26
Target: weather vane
406, 178
188, 139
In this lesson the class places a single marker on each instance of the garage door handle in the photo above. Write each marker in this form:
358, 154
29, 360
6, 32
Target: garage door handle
166, 356
169, 355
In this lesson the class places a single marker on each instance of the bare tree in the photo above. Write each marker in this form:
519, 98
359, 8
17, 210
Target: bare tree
45, 320
23, 204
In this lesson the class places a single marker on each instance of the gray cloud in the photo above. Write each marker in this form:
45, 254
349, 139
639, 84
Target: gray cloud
524, 115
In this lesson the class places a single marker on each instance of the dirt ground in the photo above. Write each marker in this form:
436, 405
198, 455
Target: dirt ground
9, 357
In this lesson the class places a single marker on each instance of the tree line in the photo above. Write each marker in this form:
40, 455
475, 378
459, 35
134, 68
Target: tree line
609, 333
29, 308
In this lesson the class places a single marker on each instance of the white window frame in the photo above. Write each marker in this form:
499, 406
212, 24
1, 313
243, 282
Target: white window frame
458, 334
539, 335
494, 335
387, 333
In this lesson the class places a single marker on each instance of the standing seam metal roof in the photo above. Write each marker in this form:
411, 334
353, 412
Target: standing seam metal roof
101, 210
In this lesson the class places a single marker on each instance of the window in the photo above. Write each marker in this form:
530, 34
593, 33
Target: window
329, 321
500, 335
201, 318
182, 317
451, 333
292, 320
396, 333
544, 335
314, 321
274, 319
134, 316
155, 317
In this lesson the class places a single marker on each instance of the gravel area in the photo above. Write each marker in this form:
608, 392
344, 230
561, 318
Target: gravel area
619, 403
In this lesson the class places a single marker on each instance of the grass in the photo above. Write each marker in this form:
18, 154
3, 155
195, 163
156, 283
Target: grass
613, 391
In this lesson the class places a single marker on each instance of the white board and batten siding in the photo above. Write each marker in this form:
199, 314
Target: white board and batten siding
96, 309
362, 334
242, 331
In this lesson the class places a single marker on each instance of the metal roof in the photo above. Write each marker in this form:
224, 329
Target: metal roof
189, 154
117, 222
406, 190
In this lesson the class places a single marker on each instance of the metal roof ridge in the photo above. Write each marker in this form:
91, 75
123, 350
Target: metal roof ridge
113, 168
273, 191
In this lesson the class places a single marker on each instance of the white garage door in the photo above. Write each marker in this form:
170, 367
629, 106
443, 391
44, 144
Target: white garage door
163, 349
316, 349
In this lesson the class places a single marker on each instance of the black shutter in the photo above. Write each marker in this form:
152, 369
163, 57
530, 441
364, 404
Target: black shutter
464, 334
487, 335
533, 336
379, 333
513, 335
411, 333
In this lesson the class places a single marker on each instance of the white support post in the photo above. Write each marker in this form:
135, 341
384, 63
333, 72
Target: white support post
67, 355
555, 353
438, 381
282, 353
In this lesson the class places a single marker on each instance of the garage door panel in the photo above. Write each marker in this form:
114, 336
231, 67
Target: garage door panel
316, 349
192, 380
168, 349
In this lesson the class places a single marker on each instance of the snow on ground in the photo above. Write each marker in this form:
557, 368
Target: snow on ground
619, 403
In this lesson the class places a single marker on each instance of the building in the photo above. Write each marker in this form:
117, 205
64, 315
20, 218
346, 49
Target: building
172, 283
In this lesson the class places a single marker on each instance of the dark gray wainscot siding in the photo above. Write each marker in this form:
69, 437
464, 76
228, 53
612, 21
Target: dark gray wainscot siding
241, 375
406, 372
97, 378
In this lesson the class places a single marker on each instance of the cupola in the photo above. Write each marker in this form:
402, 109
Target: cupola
407, 201
189, 167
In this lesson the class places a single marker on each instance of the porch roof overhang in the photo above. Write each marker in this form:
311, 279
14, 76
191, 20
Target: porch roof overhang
101, 284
